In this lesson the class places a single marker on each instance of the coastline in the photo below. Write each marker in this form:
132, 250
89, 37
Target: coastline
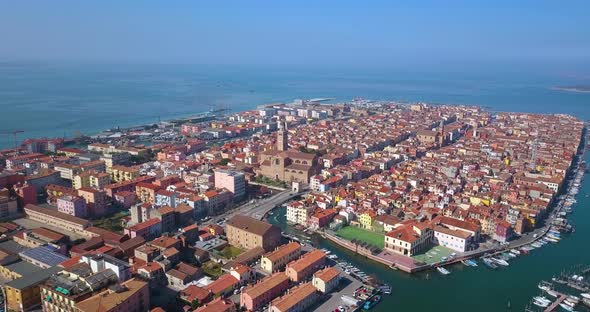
572, 89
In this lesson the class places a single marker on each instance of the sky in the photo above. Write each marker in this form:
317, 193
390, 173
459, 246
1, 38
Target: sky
314, 33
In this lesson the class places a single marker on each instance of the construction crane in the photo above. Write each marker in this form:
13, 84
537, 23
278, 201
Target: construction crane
14, 133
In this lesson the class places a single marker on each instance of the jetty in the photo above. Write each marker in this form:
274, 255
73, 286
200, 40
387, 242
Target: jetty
555, 304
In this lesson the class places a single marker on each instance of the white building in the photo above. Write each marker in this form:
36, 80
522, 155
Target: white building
101, 262
298, 213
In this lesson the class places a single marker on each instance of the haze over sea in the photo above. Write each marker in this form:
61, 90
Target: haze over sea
53, 99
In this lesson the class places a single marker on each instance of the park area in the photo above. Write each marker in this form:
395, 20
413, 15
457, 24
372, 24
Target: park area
230, 252
434, 255
352, 233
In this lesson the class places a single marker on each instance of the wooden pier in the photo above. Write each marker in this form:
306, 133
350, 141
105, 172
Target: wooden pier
555, 304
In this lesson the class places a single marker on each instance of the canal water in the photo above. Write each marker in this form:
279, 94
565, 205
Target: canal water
477, 289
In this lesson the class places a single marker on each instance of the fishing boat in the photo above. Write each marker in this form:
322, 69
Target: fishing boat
500, 261
566, 307
443, 271
489, 263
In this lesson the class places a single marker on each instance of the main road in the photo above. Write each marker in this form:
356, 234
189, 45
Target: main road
259, 208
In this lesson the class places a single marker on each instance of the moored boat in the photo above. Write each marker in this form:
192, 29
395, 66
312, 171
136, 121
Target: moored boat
552, 293
585, 295
566, 307
489, 263
500, 261
443, 271
515, 251
539, 303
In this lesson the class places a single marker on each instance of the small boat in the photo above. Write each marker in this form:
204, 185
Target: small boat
515, 251
539, 303
508, 255
544, 286
542, 299
552, 293
501, 261
573, 298
443, 271
566, 307
585, 295
489, 263
469, 262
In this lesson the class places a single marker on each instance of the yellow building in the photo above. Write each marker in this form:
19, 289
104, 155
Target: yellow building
123, 173
92, 179
366, 219
23, 294
278, 259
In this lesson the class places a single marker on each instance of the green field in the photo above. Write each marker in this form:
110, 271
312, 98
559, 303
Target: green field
434, 255
231, 252
352, 232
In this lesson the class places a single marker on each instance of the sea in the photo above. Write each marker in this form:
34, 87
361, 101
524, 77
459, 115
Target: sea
66, 99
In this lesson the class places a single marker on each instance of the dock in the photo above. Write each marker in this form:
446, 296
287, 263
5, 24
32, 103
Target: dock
555, 304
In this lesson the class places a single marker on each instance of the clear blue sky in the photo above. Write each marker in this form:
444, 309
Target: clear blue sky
296, 32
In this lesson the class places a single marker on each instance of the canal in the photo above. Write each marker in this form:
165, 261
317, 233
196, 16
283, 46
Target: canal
477, 289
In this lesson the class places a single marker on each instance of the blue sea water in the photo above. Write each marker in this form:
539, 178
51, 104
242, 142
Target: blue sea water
64, 99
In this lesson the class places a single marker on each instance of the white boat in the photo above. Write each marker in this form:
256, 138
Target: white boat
544, 287
552, 293
541, 304
570, 303
515, 251
501, 261
443, 271
566, 307
573, 298
585, 295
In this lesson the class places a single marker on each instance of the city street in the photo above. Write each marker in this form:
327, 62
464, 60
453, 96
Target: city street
259, 208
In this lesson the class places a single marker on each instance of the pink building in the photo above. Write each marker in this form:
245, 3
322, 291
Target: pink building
95, 200
125, 199
305, 266
26, 194
256, 296
72, 205
190, 129
233, 181
149, 229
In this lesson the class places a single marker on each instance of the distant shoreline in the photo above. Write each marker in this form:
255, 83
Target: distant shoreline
577, 89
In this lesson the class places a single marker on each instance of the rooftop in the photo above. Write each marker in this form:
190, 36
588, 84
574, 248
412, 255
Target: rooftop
266, 284
250, 224
294, 296
282, 251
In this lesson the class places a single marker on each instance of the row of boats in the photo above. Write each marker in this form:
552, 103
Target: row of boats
568, 303
356, 272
